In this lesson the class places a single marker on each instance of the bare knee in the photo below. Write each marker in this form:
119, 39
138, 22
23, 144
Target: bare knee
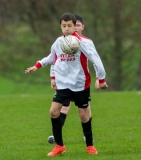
55, 110
84, 115
54, 113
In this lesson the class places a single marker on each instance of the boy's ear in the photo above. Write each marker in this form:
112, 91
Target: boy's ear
83, 26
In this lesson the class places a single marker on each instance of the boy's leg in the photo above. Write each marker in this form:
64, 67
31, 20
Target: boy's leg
56, 122
58, 100
81, 100
63, 113
56, 129
90, 115
87, 130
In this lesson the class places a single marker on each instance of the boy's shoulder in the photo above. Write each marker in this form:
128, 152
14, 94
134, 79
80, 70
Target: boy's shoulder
85, 37
58, 39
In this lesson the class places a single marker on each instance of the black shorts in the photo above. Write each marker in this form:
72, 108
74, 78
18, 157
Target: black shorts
80, 98
89, 99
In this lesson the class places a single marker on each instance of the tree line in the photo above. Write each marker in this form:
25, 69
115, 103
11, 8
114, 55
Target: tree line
113, 25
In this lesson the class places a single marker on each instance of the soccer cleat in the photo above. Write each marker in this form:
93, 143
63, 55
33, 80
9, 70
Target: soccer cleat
57, 150
92, 150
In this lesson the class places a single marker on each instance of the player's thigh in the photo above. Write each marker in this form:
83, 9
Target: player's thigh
65, 109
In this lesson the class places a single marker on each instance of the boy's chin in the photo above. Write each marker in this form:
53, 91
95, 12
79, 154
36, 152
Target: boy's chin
67, 34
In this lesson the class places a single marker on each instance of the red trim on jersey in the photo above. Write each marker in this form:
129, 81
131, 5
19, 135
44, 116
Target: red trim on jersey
55, 58
102, 80
38, 65
85, 37
76, 35
52, 78
84, 63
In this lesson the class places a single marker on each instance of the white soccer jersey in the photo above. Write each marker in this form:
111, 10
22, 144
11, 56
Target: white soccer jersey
71, 71
90, 42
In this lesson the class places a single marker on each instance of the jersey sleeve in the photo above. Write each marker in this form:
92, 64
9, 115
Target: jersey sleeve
50, 59
91, 53
92, 45
52, 74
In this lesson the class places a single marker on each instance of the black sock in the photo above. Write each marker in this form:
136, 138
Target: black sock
82, 126
63, 118
87, 130
57, 130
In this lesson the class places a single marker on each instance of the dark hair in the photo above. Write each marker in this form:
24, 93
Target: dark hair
79, 18
67, 17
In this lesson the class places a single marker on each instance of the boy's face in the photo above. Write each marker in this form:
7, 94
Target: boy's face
67, 27
79, 27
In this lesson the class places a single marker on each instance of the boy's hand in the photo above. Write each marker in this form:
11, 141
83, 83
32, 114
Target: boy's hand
34, 68
53, 84
97, 84
103, 85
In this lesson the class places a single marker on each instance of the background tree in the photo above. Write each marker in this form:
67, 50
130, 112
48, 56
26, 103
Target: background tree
28, 28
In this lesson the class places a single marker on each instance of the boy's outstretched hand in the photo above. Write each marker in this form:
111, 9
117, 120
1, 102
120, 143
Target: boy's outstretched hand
34, 68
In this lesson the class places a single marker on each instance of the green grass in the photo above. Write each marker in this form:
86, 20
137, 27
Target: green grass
9, 86
25, 126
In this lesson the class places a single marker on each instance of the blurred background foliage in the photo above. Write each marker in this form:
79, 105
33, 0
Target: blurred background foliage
29, 27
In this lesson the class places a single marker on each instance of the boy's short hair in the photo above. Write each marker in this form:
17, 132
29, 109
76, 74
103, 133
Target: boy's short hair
79, 18
67, 17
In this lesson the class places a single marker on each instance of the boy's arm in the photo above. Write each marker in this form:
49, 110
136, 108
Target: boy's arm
91, 53
93, 56
97, 84
41, 63
45, 61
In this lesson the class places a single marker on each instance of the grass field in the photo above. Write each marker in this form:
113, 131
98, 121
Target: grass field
25, 126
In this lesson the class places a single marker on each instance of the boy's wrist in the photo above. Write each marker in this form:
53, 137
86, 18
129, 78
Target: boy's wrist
102, 80
52, 78
38, 65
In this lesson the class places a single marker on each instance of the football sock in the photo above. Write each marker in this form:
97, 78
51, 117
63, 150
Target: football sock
63, 118
57, 130
87, 130
82, 126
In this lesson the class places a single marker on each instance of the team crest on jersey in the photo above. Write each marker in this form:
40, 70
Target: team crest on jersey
67, 57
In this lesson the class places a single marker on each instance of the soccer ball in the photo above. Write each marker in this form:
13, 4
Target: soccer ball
70, 44
51, 139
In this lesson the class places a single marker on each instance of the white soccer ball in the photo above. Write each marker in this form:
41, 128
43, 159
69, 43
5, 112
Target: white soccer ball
70, 44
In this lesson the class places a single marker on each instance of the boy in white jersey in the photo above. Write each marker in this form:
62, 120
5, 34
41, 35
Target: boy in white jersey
72, 81
65, 109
